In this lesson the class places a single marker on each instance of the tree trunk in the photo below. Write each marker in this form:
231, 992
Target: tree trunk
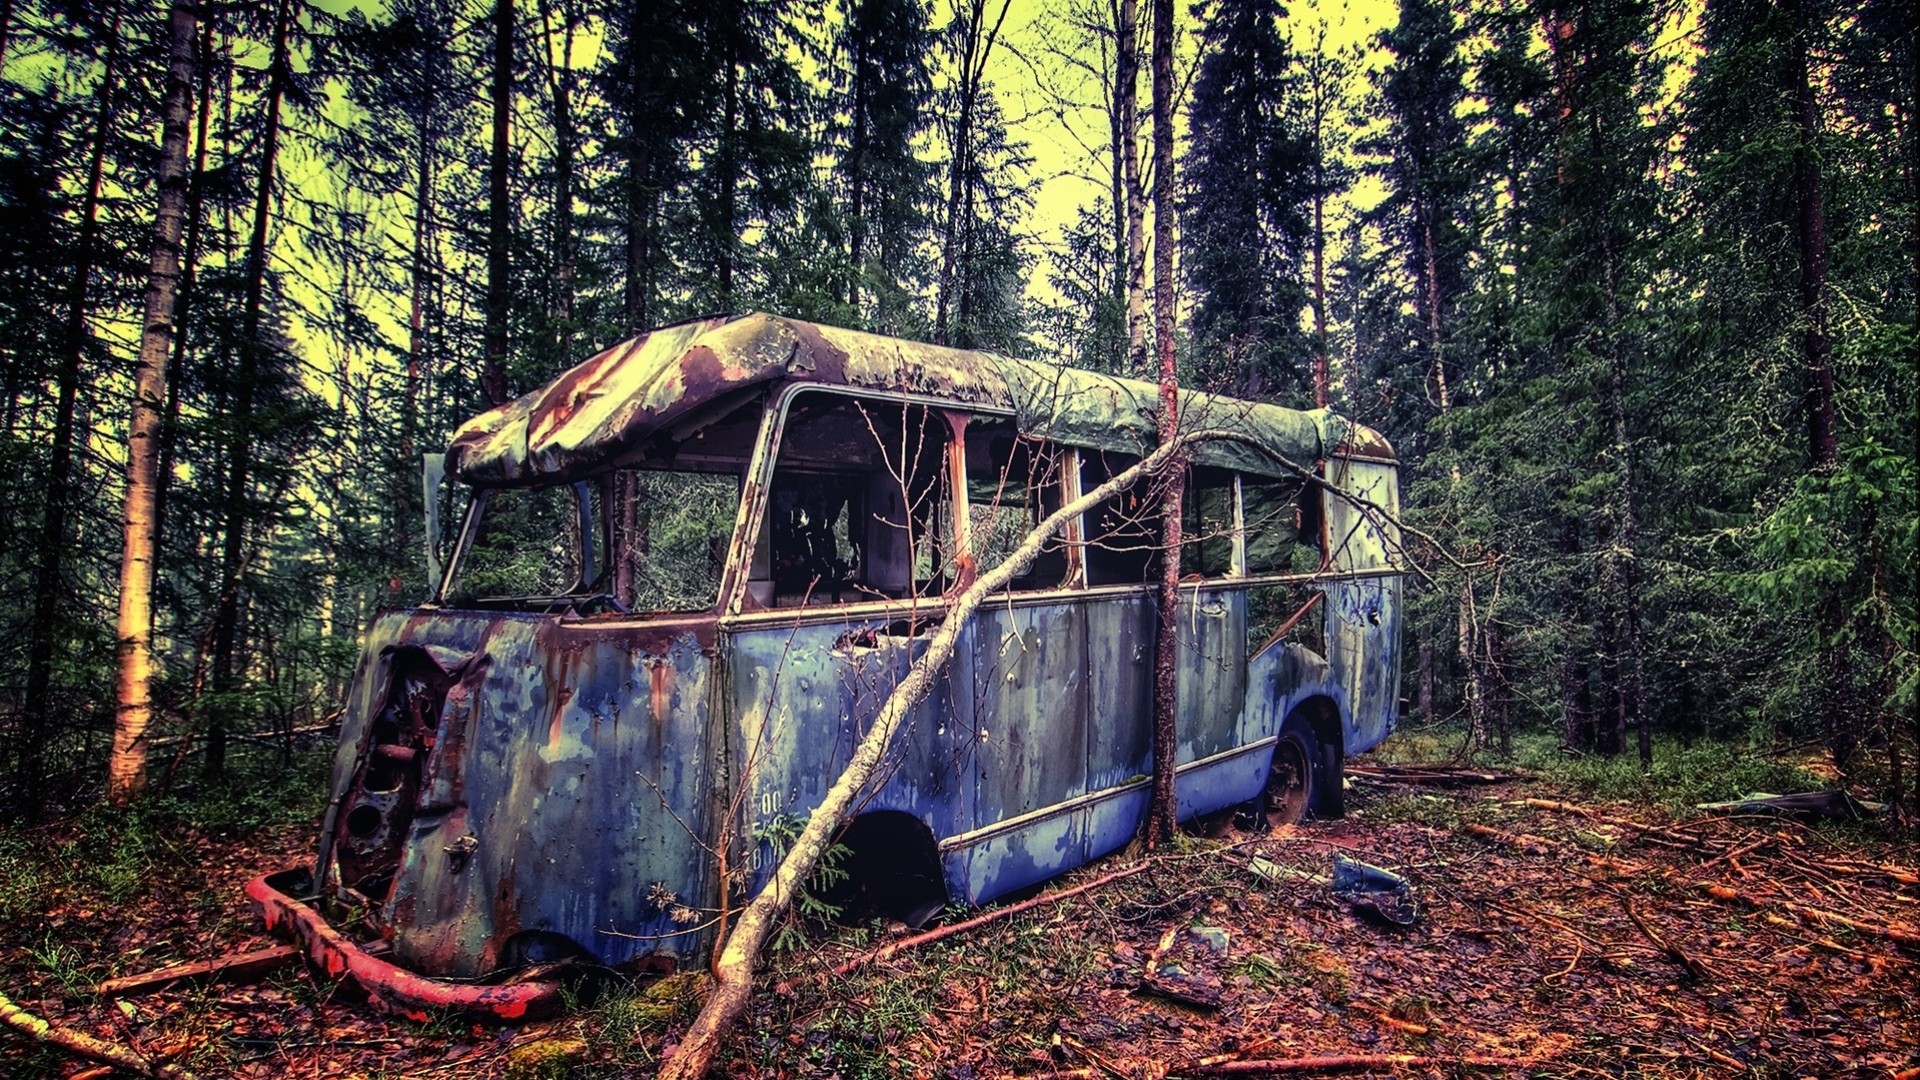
183, 300
418, 270
566, 259
856, 173
493, 376
1134, 267
1162, 812
727, 234
1320, 286
51, 569
127, 767
226, 624
976, 47
1423, 701
1443, 391
1837, 706
734, 967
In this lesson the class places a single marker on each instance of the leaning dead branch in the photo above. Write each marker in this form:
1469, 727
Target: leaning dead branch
738, 958
86, 1046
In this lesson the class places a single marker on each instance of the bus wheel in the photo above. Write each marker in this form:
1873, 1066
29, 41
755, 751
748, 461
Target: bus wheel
1290, 783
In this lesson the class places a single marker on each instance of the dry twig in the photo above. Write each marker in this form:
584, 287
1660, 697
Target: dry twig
79, 1042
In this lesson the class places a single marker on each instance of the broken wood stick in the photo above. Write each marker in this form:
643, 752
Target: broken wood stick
1649, 831
1694, 967
232, 967
1537, 845
964, 925
1891, 931
1354, 1063
86, 1046
1428, 775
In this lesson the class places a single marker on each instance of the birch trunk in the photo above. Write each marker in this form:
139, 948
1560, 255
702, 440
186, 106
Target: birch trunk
127, 767
1164, 806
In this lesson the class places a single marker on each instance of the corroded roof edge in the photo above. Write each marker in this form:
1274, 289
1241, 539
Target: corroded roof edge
597, 410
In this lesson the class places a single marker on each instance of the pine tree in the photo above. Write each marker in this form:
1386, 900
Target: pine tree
1249, 177
882, 92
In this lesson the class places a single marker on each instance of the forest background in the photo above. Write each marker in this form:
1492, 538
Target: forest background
1630, 285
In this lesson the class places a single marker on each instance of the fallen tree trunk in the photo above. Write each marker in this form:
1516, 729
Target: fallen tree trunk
86, 1046
733, 971
1355, 1063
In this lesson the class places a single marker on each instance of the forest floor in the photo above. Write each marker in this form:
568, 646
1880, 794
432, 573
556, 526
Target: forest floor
1625, 940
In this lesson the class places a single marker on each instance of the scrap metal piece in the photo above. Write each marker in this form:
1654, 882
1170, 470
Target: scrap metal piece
1368, 888
389, 986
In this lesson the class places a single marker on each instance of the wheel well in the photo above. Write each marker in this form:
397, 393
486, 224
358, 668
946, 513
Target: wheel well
1323, 717
893, 867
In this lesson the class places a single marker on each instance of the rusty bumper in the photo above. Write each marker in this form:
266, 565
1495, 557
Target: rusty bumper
391, 987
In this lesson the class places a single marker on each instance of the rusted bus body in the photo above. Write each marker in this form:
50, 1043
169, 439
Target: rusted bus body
567, 773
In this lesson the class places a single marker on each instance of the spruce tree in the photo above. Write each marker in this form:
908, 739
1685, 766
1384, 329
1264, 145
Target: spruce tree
1248, 175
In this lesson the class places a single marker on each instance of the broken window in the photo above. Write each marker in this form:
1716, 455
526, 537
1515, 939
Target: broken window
1282, 525
672, 529
1013, 483
526, 544
1122, 533
859, 506
1207, 526
1283, 537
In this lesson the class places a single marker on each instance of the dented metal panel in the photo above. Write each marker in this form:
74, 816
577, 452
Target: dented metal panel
514, 841
1363, 614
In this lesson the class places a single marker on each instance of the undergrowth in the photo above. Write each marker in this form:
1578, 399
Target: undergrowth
1681, 776
113, 853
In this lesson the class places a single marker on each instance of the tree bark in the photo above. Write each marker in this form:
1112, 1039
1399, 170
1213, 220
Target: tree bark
183, 300
976, 47
239, 516
51, 568
1162, 812
566, 258
493, 376
733, 970
127, 767
1135, 265
1837, 706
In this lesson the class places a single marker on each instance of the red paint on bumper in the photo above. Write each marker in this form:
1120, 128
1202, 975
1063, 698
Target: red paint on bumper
392, 987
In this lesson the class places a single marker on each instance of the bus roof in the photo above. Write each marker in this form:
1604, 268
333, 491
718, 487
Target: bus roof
669, 382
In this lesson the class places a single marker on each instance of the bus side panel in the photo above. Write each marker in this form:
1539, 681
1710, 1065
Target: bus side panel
803, 698
1120, 632
577, 795
1211, 686
1363, 615
1030, 717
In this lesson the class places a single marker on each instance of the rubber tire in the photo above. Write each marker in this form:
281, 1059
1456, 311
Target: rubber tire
1293, 778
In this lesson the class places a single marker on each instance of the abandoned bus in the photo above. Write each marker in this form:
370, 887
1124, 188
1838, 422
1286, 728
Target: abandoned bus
688, 573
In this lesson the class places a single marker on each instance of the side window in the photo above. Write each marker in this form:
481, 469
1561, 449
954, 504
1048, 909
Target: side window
1283, 537
1123, 533
859, 506
672, 529
1013, 482
1283, 525
1206, 524
526, 544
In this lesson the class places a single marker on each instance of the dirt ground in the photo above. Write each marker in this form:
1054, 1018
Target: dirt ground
1549, 942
